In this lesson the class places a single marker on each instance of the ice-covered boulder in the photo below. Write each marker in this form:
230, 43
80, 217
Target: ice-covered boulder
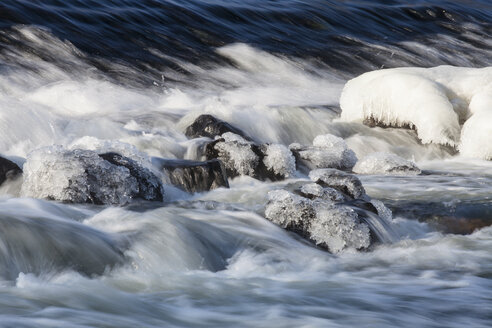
83, 176
8, 170
327, 151
209, 126
194, 176
385, 163
329, 225
315, 191
344, 182
243, 157
435, 101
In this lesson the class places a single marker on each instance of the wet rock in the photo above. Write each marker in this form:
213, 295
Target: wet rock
344, 182
211, 127
149, 185
8, 170
242, 157
331, 226
385, 163
194, 176
82, 176
327, 151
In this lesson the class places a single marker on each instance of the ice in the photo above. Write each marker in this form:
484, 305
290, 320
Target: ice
339, 227
347, 183
314, 190
80, 176
435, 101
279, 160
289, 210
335, 227
327, 151
237, 156
385, 163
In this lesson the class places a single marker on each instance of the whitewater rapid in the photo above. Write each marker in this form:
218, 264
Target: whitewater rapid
211, 258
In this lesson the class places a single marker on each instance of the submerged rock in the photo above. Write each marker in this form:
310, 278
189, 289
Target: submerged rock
211, 127
44, 245
8, 170
83, 176
385, 163
194, 176
243, 157
327, 151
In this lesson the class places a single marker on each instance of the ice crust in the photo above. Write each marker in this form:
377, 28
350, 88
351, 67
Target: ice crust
237, 154
327, 151
79, 176
435, 101
335, 227
347, 183
279, 160
385, 163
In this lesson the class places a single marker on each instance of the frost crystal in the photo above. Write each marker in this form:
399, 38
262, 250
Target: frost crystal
280, 160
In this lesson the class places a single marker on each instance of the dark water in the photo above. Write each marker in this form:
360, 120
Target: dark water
349, 37
129, 76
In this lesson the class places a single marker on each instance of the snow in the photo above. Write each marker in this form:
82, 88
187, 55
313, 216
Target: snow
435, 101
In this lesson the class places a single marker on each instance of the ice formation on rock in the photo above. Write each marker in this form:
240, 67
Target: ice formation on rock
347, 183
279, 160
328, 151
82, 176
435, 101
385, 163
332, 226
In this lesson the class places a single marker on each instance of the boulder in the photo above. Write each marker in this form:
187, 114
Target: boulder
209, 126
327, 151
194, 176
8, 170
346, 183
242, 157
149, 185
83, 176
385, 163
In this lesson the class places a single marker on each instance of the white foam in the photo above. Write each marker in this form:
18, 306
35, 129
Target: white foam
432, 100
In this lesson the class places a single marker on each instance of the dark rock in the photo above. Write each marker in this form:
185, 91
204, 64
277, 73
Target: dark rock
209, 126
149, 186
194, 176
241, 157
8, 170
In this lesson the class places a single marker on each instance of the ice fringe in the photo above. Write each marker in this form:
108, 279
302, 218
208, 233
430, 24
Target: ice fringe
435, 101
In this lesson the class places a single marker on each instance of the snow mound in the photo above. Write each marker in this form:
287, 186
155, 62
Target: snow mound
82, 176
385, 163
279, 160
435, 101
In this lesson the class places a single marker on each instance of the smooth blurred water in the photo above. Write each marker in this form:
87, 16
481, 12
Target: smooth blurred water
89, 74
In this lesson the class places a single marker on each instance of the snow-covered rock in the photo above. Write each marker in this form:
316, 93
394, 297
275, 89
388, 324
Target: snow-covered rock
385, 163
435, 101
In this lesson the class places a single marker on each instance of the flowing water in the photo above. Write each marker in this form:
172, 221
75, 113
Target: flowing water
85, 73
